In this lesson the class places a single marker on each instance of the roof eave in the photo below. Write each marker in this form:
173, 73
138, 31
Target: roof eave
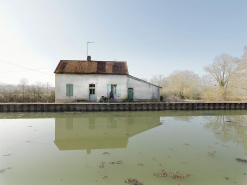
135, 78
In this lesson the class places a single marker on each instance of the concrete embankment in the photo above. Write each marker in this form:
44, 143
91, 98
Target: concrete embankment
90, 107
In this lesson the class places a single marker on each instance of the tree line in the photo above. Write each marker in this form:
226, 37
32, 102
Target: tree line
225, 81
23, 92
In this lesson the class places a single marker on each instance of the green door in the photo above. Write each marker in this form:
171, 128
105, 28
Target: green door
130, 93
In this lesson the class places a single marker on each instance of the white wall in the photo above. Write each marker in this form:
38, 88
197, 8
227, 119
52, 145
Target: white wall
81, 86
143, 90
81, 83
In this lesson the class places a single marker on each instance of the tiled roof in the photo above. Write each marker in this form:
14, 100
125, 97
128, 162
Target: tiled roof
91, 67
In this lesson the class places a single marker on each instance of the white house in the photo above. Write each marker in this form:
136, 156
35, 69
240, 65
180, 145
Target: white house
77, 80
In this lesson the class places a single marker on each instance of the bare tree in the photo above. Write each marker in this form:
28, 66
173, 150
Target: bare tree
26, 93
23, 83
245, 54
185, 83
39, 87
182, 85
242, 70
207, 88
48, 84
223, 70
158, 80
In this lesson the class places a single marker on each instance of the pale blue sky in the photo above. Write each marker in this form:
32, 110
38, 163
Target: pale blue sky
154, 37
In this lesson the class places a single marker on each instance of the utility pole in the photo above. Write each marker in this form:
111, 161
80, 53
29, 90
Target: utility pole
87, 46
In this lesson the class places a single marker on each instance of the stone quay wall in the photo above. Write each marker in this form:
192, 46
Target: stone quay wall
91, 107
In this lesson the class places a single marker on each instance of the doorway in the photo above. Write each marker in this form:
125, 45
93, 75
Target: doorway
130, 93
91, 92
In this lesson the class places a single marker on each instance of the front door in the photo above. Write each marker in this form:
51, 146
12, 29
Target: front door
91, 92
130, 93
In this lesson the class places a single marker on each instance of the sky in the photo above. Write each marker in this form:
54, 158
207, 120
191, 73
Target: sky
153, 36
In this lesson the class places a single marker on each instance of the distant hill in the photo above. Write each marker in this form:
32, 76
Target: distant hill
1, 83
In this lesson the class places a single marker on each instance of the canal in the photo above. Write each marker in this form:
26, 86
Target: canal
111, 148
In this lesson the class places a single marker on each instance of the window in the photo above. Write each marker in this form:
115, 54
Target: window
114, 88
69, 90
91, 91
91, 88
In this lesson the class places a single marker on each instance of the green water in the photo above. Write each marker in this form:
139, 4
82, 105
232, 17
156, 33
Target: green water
67, 148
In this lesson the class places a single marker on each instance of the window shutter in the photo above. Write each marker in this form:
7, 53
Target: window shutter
108, 89
71, 90
118, 90
67, 89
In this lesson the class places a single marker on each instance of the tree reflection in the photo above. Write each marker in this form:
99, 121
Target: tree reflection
229, 128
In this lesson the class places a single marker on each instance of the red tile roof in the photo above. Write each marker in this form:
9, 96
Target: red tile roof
91, 67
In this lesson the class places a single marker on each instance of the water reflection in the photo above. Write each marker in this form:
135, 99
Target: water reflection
103, 132
229, 128
184, 118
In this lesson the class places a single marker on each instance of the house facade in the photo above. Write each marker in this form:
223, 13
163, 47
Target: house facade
83, 80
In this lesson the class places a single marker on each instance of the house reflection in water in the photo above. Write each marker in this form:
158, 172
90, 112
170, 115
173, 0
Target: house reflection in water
88, 133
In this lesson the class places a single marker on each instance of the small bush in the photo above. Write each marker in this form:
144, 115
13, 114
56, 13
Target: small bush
124, 99
161, 98
151, 100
